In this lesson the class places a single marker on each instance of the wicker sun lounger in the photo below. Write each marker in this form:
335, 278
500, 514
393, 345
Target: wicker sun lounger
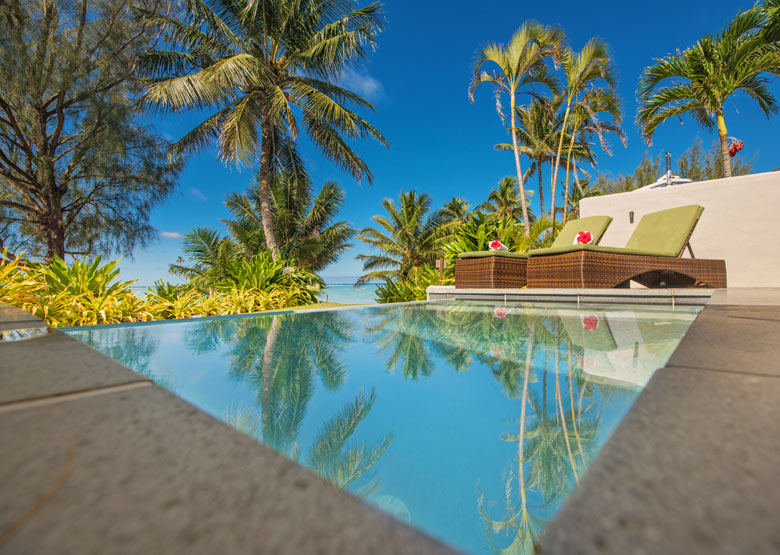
499, 269
652, 257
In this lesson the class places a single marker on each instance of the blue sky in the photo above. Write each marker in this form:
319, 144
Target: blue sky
440, 142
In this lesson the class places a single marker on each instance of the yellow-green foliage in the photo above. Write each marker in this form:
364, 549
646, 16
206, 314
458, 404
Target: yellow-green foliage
87, 294
413, 286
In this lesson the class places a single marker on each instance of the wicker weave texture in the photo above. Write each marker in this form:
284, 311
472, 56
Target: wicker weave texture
490, 272
588, 269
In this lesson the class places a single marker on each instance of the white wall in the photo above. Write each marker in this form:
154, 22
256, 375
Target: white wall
740, 223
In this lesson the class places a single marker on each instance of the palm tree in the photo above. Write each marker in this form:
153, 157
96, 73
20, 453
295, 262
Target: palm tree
537, 133
455, 210
409, 236
303, 223
505, 201
585, 123
584, 71
699, 80
258, 64
770, 10
520, 64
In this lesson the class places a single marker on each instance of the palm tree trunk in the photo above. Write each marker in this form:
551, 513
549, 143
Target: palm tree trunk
264, 193
568, 166
539, 164
523, 202
724, 145
558, 161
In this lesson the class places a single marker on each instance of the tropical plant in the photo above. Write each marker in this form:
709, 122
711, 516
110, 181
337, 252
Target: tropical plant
770, 11
477, 233
590, 79
700, 165
505, 201
455, 210
413, 286
409, 236
304, 224
539, 124
699, 80
79, 171
207, 254
16, 286
586, 126
257, 63
521, 64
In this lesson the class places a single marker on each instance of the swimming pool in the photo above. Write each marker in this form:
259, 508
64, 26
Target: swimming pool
471, 421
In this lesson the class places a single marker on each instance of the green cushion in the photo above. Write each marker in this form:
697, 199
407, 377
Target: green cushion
483, 254
597, 225
594, 248
665, 232
662, 233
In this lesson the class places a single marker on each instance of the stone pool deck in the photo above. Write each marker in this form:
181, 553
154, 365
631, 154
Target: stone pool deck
94, 458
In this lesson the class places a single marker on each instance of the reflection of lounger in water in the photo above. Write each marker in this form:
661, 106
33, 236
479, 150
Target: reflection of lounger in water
631, 346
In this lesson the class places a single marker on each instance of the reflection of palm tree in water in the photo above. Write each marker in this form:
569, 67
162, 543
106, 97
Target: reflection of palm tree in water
546, 439
397, 334
519, 519
279, 355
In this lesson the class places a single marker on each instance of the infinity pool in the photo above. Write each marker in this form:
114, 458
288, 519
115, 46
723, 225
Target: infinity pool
472, 421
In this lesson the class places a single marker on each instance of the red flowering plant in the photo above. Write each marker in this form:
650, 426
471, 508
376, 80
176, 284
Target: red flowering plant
500, 312
735, 146
584, 238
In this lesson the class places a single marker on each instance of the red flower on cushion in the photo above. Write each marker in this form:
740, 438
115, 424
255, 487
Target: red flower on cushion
500, 312
496, 245
590, 323
584, 238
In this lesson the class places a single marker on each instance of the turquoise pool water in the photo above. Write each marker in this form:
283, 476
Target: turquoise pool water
472, 421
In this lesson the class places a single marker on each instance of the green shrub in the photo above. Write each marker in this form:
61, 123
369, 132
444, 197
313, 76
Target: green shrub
84, 293
413, 286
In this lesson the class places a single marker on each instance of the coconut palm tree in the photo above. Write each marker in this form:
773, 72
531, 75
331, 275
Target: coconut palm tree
409, 236
585, 71
521, 65
539, 124
455, 210
266, 68
587, 124
303, 223
505, 201
699, 80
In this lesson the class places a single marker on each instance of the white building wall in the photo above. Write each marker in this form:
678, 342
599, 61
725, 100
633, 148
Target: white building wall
740, 223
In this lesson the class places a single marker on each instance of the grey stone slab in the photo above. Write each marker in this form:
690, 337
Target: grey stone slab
11, 314
752, 312
747, 296
142, 471
55, 364
724, 339
692, 469
21, 325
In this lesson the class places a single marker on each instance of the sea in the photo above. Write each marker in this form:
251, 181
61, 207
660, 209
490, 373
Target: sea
342, 290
